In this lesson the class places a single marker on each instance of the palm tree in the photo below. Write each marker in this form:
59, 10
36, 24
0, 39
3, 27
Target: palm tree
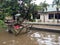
57, 3
44, 6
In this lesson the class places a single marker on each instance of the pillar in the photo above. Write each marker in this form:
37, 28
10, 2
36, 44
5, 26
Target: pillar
54, 18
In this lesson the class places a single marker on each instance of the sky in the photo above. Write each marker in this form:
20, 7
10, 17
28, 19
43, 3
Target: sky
47, 1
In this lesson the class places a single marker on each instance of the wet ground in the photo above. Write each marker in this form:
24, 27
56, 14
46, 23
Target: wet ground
34, 37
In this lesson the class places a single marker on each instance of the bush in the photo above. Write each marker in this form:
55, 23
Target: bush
2, 16
2, 24
32, 20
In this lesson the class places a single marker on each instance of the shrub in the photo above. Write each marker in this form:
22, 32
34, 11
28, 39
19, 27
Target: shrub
2, 24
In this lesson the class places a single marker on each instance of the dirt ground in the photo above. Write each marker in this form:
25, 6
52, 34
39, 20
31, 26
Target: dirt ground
34, 37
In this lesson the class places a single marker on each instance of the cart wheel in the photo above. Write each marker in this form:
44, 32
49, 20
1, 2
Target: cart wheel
27, 30
17, 33
10, 31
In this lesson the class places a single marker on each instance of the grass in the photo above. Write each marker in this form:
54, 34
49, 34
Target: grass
2, 25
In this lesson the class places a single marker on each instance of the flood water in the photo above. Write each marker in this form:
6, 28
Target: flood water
34, 37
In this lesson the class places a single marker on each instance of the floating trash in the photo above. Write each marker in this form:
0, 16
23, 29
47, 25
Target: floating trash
55, 43
49, 44
32, 38
36, 35
13, 40
46, 38
59, 38
53, 35
49, 36
30, 32
40, 41
4, 42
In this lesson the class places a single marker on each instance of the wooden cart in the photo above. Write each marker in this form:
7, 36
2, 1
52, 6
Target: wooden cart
15, 27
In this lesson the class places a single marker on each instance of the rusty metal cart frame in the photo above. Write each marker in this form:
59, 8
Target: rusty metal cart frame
11, 23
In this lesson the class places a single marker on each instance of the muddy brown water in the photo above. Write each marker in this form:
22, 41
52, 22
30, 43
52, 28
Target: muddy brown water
34, 37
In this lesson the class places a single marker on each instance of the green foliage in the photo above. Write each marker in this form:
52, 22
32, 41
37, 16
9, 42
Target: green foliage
44, 6
32, 20
9, 6
57, 3
27, 1
2, 16
2, 24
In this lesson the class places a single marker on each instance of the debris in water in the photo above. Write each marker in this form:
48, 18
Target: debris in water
4, 42
35, 35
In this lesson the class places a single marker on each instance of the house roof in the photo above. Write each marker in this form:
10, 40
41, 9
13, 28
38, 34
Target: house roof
50, 9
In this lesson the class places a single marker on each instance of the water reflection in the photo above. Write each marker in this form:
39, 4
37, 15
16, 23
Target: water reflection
46, 38
34, 37
10, 42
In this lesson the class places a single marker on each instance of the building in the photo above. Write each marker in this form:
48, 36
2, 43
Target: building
51, 15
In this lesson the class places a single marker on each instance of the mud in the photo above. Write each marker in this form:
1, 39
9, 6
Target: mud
34, 37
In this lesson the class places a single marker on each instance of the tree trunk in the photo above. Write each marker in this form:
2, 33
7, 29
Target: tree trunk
57, 15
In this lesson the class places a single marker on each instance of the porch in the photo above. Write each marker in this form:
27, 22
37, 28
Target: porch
48, 17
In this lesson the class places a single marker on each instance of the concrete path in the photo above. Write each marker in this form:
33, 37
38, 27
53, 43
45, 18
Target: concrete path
56, 28
49, 26
42, 23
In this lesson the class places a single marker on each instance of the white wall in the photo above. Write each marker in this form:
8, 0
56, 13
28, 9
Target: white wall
46, 18
42, 17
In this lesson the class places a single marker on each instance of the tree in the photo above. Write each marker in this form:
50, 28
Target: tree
25, 7
9, 7
1, 1
44, 7
30, 9
57, 3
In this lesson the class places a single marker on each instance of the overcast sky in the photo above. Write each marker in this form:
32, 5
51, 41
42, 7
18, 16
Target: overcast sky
47, 1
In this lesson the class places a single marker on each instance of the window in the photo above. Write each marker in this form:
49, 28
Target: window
57, 16
51, 16
38, 16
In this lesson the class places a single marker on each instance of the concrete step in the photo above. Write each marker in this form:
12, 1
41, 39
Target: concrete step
47, 27
42, 23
